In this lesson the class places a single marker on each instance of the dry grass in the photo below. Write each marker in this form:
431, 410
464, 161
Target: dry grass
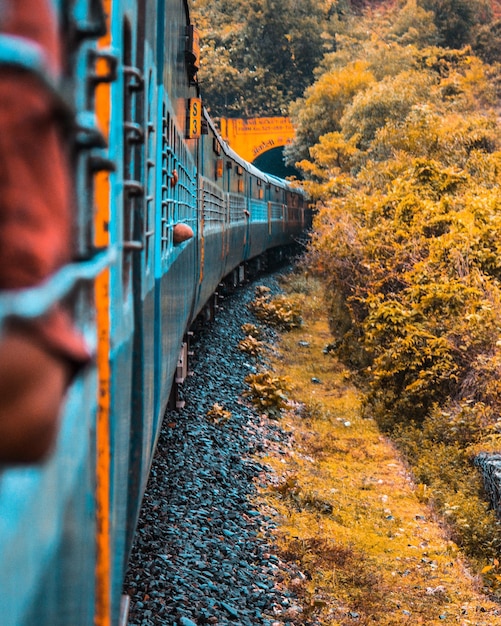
349, 514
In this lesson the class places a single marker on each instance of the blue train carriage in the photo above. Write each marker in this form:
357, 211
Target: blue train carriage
141, 170
66, 525
152, 120
243, 212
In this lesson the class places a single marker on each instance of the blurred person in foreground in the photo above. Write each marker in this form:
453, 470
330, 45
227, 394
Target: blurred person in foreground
38, 358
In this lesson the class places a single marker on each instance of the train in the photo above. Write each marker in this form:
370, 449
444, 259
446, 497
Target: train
165, 213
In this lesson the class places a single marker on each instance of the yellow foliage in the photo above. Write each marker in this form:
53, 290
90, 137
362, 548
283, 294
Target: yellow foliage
280, 312
367, 546
407, 244
267, 392
218, 414
251, 345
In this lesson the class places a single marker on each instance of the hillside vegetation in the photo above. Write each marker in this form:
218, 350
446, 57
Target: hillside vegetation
259, 56
405, 168
398, 137
369, 548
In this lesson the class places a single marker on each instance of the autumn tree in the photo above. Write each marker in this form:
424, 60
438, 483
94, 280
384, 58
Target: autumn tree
404, 163
405, 170
486, 41
321, 109
413, 25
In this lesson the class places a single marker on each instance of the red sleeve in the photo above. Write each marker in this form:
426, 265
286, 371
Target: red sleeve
36, 220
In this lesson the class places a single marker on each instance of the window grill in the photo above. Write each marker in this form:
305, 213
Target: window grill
277, 211
213, 203
178, 202
238, 204
258, 211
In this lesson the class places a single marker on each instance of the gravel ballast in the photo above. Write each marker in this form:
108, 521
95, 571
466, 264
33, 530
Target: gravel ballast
203, 552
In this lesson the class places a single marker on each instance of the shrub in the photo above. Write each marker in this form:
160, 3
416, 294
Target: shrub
407, 243
268, 393
218, 414
280, 312
251, 345
252, 331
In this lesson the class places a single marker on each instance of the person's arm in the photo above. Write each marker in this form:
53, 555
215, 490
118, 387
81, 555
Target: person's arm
37, 358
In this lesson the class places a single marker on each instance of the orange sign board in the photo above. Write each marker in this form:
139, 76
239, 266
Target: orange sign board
194, 118
251, 137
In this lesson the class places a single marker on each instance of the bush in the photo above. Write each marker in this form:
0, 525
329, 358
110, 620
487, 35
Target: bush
218, 414
407, 243
268, 393
281, 312
251, 346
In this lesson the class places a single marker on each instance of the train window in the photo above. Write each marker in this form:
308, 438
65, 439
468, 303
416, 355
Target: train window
149, 220
259, 182
216, 146
166, 138
219, 168
241, 185
240, 170
229, 165
260, 194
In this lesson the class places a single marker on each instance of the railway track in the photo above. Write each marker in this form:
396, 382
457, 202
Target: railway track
203, 552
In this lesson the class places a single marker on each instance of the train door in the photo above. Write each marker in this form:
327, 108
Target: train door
243, 189
127, 200
142, 82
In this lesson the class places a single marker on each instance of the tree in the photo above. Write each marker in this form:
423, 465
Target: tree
456, 19
268, 48
389, 100
413, 25
486, 42
406, 239
328, 171
323, 106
